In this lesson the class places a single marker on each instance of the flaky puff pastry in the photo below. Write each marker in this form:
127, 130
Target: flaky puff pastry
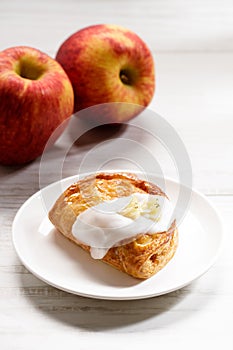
141, 258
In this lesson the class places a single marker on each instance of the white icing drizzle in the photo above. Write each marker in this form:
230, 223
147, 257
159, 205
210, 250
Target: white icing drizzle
120, 221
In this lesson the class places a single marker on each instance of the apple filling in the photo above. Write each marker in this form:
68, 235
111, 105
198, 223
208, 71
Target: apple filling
148, 207
28, 69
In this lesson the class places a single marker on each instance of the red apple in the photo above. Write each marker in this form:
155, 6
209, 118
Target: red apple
108, 63
36, 97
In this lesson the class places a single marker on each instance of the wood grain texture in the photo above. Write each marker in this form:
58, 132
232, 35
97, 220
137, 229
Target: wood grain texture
166, 25
193, 49
31, 311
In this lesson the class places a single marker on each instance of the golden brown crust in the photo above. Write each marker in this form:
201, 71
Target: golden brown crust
143, 257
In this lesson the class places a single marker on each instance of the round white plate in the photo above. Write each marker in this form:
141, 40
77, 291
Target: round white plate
62, 264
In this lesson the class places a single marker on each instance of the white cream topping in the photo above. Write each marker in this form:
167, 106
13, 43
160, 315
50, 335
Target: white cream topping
120, 221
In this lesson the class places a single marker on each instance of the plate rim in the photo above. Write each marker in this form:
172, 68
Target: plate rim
115, 297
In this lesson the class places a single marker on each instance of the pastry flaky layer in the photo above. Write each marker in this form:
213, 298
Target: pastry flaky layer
141, 258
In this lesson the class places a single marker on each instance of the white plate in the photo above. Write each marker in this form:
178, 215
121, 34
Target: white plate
62, 264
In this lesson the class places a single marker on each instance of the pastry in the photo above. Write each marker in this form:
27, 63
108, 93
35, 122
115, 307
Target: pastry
119, 219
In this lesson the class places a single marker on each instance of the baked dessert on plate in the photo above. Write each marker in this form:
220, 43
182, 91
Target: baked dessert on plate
119, 219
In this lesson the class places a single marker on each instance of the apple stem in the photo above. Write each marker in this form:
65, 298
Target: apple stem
124, 77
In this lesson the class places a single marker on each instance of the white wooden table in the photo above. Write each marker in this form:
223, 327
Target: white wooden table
192, 45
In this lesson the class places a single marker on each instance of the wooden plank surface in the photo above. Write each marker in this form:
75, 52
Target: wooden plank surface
166, 25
